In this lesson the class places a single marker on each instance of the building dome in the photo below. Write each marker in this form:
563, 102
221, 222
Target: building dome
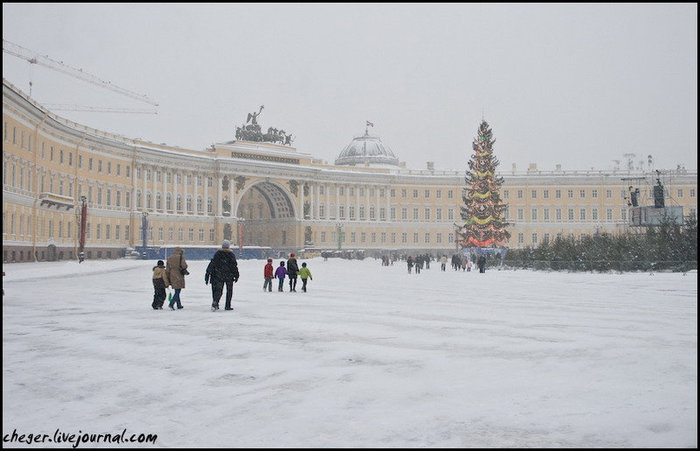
366, 149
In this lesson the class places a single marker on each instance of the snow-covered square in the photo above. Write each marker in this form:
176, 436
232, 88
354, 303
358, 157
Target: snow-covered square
370, 356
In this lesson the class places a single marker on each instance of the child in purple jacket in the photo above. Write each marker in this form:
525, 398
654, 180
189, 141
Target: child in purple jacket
280, 274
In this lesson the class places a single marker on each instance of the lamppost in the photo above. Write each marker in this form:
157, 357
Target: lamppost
144, 231
339, 228
240, 234
83, 222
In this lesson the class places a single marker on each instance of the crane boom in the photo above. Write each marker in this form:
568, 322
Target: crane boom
34, 58
66, 107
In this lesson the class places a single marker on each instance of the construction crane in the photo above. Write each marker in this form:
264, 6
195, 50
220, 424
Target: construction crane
34, 58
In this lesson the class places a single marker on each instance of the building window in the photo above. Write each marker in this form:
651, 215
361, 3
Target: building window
520, 194
557, 194
534, 194
582, 194
545, 194
533, 214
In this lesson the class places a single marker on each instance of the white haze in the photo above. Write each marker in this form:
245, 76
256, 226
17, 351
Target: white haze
370, 356
579, 85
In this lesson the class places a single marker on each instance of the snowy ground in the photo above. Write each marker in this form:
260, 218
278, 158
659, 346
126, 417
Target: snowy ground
371, 356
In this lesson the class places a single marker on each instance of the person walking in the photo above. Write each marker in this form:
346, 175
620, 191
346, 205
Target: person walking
443, 262
292, 270
280, 273
222, 269
268, 273
160, 282
481, 263
409, 263
305, 274
176, 270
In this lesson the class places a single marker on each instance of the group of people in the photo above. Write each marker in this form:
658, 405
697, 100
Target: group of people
419, 261
221, 271
170, 274
459, 261
291, 270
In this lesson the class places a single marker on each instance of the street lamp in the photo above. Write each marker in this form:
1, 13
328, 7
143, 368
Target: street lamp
83, 222
240, 233
144, 231
339, 228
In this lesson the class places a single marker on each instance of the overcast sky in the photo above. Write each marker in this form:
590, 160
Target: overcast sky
579, 85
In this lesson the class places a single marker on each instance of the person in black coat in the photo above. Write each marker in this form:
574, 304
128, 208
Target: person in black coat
222, 269
292, 270
481, 263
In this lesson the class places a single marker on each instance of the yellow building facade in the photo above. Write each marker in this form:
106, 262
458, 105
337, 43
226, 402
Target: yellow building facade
261, 194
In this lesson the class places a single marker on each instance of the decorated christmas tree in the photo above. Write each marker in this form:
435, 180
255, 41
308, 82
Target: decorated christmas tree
483, 210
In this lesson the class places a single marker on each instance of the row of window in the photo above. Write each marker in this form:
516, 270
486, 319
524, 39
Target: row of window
570, 214
24, 140
362, 191
534, 238
19, 225
387, 238
582, 193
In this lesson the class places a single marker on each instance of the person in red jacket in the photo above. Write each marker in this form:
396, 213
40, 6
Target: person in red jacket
268, 275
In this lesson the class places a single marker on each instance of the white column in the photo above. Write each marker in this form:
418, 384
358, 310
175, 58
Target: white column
312, 200
219, 195
301, 201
